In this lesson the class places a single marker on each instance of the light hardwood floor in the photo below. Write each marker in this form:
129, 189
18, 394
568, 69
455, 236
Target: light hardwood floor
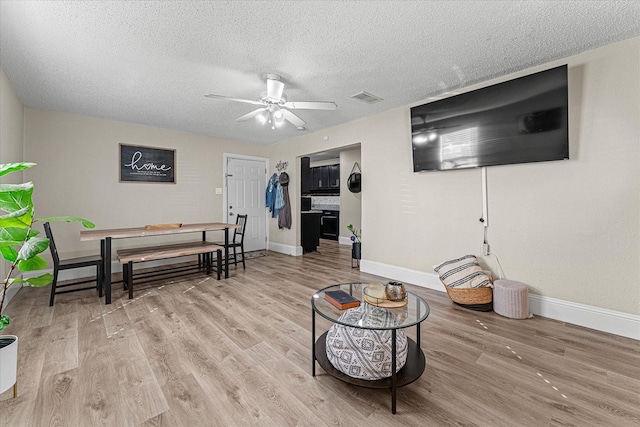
200, 352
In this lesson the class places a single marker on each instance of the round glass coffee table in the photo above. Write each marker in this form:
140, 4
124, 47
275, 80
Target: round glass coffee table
412, 314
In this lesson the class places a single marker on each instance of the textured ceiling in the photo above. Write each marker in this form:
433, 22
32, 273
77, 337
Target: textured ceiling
152, 62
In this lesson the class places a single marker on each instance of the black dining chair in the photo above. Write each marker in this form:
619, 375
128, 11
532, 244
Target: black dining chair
71, 263
238, 241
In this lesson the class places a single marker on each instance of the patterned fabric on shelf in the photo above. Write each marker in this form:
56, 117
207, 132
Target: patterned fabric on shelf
366, 353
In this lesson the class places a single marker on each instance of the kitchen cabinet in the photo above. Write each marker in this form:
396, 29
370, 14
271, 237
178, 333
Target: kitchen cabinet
325, 178
305, 175
310, 230
334, 176
320, 178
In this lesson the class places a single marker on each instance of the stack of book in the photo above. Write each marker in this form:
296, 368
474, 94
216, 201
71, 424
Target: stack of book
341, 299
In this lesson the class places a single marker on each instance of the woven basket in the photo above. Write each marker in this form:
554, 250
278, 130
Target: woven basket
480, 299
470, 295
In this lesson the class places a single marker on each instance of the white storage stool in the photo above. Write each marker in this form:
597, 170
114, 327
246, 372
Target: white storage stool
511, 299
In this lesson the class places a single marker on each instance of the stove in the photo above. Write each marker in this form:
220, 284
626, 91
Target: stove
330, 224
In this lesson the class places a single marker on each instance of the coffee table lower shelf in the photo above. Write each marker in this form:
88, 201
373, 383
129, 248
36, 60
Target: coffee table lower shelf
411, 371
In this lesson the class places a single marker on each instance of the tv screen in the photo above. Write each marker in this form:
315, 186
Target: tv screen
518, 121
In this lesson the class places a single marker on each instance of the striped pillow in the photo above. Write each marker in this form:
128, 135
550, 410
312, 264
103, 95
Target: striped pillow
464, 272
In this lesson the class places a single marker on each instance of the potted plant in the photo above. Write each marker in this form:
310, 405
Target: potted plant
356, 245
20, 245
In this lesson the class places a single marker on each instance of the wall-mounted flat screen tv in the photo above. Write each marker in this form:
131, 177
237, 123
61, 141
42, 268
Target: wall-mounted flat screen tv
517, 121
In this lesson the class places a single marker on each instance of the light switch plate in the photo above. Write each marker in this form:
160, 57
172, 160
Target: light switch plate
218, 190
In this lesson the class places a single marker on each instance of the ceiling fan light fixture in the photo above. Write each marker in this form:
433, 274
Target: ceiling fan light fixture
262, 117
274, 109
278, 117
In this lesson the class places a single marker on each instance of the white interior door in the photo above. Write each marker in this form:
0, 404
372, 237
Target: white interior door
246, 185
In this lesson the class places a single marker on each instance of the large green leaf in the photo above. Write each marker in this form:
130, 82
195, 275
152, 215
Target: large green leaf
35, 282
13, 233
17, 234
9, 253
32, 264
33, 247
6, 168
21, 219
4, 321
14, 197
85, 223
5, 243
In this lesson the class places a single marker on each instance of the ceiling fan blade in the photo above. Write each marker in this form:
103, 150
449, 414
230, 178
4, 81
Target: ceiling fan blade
250, 115
274, 89
320, 105
295, 120
228, 98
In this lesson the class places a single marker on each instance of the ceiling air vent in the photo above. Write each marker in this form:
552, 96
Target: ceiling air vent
366, 97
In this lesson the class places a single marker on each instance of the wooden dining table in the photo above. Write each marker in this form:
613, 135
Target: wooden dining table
107, 235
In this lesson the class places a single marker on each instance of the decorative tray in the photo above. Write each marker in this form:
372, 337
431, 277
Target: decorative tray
374, 295
159, 226
385, 303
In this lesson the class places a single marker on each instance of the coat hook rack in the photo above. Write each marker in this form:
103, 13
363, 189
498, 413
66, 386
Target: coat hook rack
282, 166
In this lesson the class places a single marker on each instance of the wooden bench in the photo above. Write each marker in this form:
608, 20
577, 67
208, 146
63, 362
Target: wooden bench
127, 257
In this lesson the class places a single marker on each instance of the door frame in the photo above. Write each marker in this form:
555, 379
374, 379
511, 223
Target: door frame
225, 200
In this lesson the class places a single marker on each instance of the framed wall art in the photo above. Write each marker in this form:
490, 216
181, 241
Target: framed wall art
147, 164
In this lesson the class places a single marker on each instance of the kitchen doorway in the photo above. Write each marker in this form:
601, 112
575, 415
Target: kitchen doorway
338, 208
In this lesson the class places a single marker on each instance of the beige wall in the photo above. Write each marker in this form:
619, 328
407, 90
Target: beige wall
11, 128
350, 203
568, 229
78, 174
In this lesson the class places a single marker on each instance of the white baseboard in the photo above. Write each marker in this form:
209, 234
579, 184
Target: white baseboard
344, 240
600, 319
285, 249
418, 278
12, 290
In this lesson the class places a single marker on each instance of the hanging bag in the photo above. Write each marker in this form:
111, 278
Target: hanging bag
354, 182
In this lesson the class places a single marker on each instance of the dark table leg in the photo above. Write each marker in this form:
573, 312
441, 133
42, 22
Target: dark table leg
226, 253
101, 292
218, 263
107, 270
207, 261
128, 277
313, 342
418, 325
394, 375
204, 239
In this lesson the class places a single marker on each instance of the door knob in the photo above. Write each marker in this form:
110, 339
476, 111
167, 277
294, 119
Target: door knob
230, 213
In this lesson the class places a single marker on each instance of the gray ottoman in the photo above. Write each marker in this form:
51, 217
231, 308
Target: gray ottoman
366, 353
511, 299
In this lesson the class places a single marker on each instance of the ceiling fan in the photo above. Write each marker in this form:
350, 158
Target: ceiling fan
274, 107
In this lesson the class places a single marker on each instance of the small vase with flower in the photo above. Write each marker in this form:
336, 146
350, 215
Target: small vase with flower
356, 245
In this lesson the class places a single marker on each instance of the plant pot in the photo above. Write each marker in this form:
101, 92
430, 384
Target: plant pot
356, 250
8, 363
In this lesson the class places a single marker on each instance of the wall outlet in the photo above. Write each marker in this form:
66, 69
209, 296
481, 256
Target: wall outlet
485, 249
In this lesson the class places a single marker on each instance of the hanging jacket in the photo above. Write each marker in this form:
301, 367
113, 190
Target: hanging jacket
279, 200
270, 196
284, 216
